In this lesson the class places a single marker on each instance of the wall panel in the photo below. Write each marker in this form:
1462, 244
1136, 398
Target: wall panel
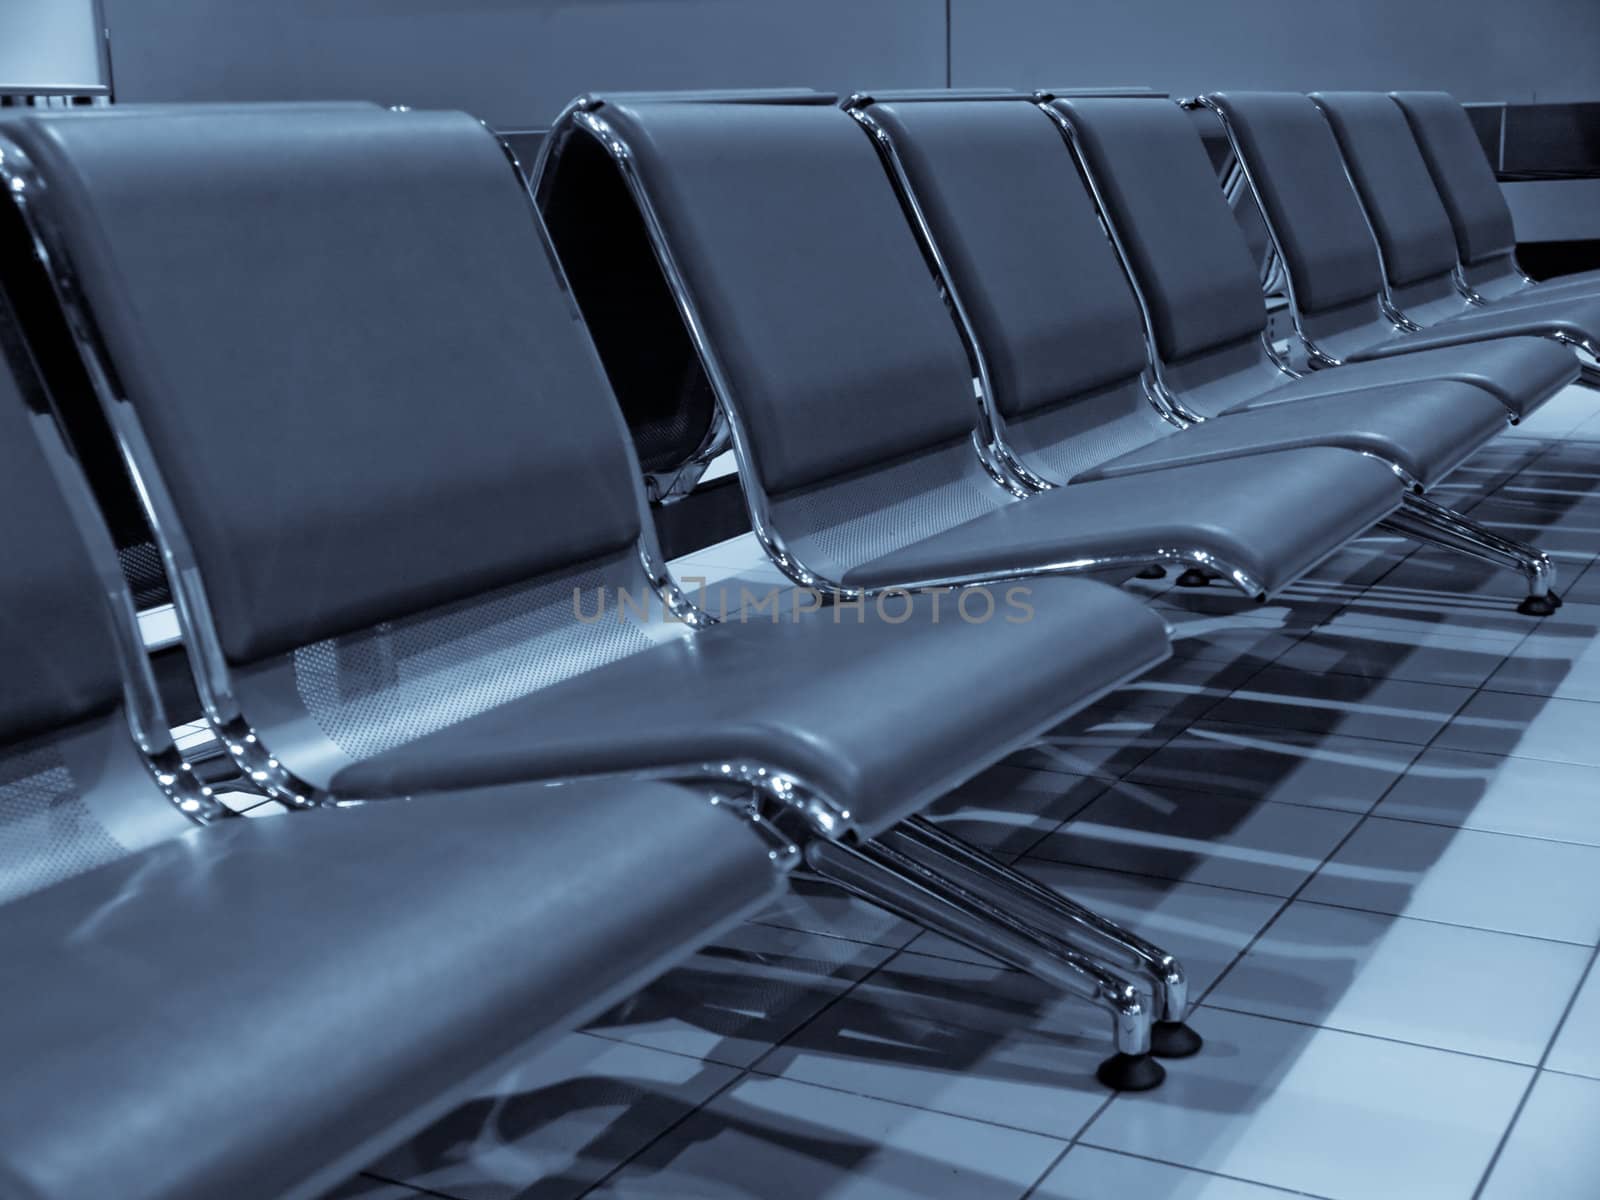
1478, 49
513, 62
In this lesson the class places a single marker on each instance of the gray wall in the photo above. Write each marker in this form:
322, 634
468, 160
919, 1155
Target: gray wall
515, 62
1478, 49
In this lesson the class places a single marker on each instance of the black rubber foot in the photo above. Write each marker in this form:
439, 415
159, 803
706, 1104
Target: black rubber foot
1538, 606
1131, 1073
1193, 577
1558, 600
1153, 571
1174, 1039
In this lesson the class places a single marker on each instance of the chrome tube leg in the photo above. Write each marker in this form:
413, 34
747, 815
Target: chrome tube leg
1435, 525
1061, 918
892, 881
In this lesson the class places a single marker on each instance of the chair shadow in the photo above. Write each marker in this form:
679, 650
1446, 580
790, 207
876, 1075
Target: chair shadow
969, 1018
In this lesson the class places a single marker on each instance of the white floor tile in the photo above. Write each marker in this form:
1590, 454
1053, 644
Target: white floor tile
1293, 766
815, 906
1007, 808
1218, 840
553, 1127
742, 551
1553, 1153
970, 1040
1223, 640
1447, 658
1558, 416
1524, 796
1485, 880
1393, 710
1561, 659
778, 1137
1577, 1048
732, 1001
1469, 990
1098, 746
1527, 727
1090, 1174
1329, 1113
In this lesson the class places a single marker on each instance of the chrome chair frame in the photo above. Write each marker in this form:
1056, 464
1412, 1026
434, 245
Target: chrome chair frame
1452, 296
146, 716
1365, 320
796, 818
584, 116
1419, 519
920, 850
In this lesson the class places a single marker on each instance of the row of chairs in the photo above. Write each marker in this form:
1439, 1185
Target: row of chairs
391, 486
1095, 361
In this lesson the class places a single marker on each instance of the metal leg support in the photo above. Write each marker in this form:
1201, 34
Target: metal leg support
1056, 916
1435, 525
887, 878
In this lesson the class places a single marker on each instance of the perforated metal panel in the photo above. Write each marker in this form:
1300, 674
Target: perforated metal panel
47, 833
141, 566
372, 691
844, 524
1059, 443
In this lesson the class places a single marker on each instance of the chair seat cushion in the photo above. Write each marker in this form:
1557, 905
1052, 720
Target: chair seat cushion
1271, 515
1427, 431
1522, 373
1576, 318
1561, 287
881, 710
265, 1003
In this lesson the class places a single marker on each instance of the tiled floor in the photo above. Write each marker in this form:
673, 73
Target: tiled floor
1368, 819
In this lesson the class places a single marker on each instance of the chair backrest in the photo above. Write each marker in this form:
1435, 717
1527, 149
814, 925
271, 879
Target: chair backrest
1471, 195
74, 792
809, 282
823, 329
1050, 307
1316, 218
629, 311
1413, 230
626, 303
1188, 255
55, 639
377, 440
357, 374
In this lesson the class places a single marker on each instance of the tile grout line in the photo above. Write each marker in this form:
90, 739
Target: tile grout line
1371, 1037
1277, 915
743, 1074
1533, 1080
1546, 446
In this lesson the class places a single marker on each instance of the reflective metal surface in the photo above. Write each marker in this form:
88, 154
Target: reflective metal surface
891, 880
146, 715
1314, 352
1436, 525
921, 839
990, 434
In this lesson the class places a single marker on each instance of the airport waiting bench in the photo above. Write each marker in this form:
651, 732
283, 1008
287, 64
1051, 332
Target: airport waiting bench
388, 480
140, 918
888, 491
387, 477
1342, 302
1480, 219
